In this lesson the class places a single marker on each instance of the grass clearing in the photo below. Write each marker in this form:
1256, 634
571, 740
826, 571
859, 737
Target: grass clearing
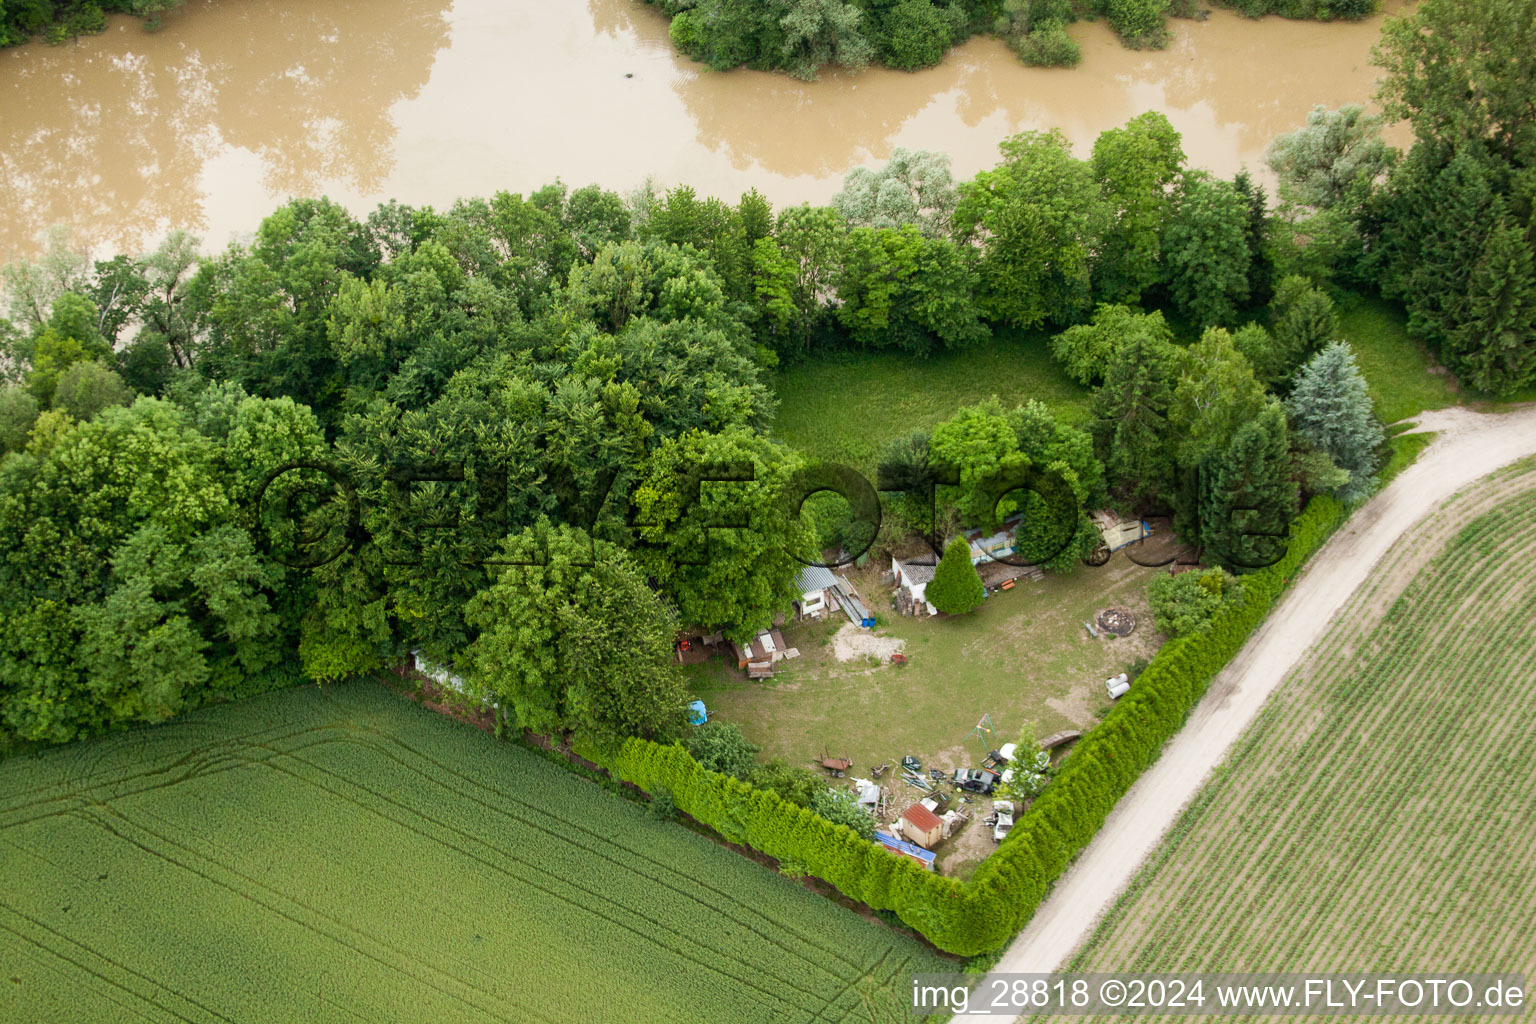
1403, 376
341, 854
844, 407
1375, 818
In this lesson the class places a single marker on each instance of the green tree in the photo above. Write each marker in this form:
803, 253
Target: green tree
1130, 419
134, 589
1039, 217
1493, 345
576, 641
1326, 163
1086, 351
914, 187
1330, 408
956, 587
1205, 249
977, 446
1269, 361
18, 411
1302, 321
1214, 395
1459, 71
794, 269
1140, 24
86, 388
899, 289
914, 34
30, 289
1134, 167
821, 32
724, 550
841, 807
1249, 495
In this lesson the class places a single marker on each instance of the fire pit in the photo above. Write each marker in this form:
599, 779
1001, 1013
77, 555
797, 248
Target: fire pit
1117, 621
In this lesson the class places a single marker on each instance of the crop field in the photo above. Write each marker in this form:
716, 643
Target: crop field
1377, 816
344, 855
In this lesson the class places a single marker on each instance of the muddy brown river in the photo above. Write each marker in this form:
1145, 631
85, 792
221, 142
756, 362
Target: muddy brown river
234, 106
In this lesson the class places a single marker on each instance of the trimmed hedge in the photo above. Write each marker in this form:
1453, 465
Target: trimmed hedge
987, 911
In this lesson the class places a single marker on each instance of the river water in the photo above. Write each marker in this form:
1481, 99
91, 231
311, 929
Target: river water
234, 106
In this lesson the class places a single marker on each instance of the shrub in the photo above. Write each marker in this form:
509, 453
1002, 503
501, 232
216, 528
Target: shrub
841, 807
1048, 45
1186, 603
956, 586
662, 806
1141, 24
720, 747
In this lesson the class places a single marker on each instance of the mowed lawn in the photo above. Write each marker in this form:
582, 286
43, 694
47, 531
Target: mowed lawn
845, 407
1377, 816
341, 854
1022, 656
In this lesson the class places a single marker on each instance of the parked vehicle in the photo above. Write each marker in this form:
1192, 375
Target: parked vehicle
976, 780
1004, 811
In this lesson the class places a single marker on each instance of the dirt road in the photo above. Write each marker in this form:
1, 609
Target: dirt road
1470, 446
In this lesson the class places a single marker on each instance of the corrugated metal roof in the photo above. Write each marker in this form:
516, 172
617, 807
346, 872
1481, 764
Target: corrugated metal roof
923, 818
815, 577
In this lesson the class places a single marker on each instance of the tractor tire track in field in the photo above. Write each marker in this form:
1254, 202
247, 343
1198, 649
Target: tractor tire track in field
436, 830
1469, 447
536, 817
77, 962
405, 959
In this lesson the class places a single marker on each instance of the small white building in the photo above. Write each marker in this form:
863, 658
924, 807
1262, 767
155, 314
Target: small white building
448, 681
912, 579
815, 584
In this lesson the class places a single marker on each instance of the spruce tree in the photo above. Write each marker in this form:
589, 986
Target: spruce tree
1493, 347
1248, 496
1303, 321
1130, 426
1331, 409
1460, 205
956, 586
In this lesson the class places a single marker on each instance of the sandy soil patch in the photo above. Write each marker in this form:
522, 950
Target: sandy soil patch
854, 644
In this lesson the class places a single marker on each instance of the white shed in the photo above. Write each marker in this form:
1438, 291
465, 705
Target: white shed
913, 578
815, 584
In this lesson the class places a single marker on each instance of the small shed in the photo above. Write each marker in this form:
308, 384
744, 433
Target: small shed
765, 649
989, 548
446, 679
815, 583
1116, 532
912, 579
922, 826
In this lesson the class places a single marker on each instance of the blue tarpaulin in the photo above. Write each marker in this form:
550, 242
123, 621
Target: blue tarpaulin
696, 713
890, 842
